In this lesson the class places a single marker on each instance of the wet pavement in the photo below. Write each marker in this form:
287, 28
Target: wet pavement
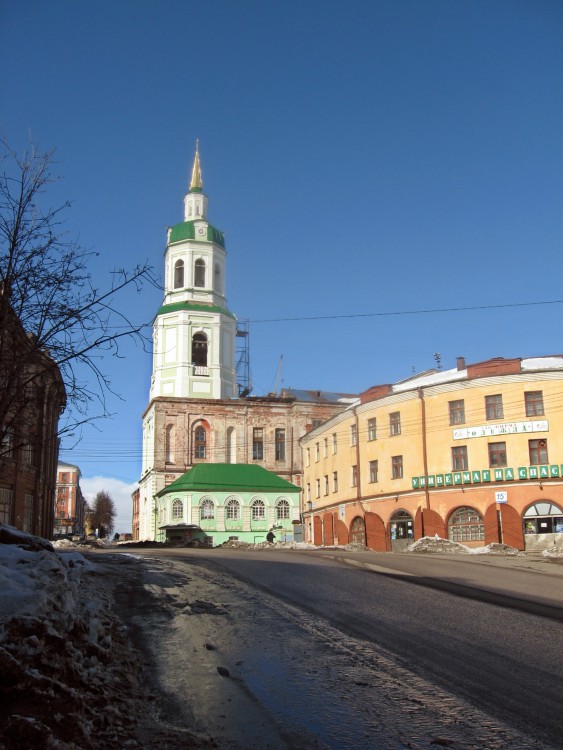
252, 670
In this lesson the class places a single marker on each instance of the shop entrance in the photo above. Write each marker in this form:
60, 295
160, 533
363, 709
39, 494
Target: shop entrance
543, 525
401, 530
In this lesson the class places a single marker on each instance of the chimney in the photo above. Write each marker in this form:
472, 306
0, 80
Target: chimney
461, 363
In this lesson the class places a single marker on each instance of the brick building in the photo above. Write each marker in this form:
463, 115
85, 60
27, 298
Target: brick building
473, 454
32, 398
70, 505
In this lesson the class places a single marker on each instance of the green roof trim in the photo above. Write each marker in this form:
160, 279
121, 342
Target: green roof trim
229, 478
194, 307
186, 231
196, 190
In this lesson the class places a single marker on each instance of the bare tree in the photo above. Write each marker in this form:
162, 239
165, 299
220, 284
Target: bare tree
100, 517
46, 285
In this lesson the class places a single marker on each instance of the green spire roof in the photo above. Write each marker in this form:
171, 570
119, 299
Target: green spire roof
230, 478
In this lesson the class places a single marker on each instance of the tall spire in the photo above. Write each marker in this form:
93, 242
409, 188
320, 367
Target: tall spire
196, 184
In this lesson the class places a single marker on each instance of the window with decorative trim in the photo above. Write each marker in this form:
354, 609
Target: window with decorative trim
232, 509
282, 510
258, 510
258, 443
177, 509
200, 442
207, 509
280, 444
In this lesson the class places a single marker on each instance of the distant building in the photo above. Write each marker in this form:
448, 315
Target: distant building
135, 495
215, 503
197, 412
70, 505
32, 398
473, 454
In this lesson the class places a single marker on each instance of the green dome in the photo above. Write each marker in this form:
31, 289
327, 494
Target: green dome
186, 231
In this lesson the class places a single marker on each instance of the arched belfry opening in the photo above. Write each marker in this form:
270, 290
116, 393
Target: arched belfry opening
179, 274
199, 349
199, 273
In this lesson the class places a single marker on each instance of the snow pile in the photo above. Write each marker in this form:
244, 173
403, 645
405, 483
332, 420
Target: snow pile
69, 678
234, 544
555, 551
436, 544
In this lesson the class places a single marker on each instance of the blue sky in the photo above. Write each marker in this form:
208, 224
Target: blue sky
361, 157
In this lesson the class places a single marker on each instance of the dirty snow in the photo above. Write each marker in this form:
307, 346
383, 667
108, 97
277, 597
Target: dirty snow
437, 544
70, 679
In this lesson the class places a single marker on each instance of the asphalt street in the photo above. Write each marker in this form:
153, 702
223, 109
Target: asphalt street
475, 644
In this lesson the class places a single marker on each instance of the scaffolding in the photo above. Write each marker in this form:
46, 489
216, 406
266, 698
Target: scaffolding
244, 381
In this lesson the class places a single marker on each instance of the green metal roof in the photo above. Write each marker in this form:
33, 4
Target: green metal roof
177, 306
186, 231
230, 478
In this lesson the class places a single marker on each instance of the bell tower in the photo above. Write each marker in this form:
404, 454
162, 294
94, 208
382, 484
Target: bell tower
194, 331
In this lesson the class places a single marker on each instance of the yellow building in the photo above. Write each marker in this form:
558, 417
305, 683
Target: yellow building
473, 454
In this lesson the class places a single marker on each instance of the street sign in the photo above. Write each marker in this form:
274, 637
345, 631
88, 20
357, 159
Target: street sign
501, 497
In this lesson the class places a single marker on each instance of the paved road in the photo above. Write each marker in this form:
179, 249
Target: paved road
428, 624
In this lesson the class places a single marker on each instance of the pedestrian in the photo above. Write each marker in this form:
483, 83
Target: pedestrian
270, 536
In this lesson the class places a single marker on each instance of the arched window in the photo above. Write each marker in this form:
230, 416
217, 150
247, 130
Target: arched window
200, 442
466, 525
258, 510
169, 440
199, 350
177, 509
217, 278
207, 509
358, 531
232, 509
543, 518
179, 274
199, 273
282, 510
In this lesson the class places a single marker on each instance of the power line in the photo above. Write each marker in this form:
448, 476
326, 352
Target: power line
407, 312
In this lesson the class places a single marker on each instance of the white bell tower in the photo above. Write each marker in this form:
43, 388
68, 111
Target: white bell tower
194, 332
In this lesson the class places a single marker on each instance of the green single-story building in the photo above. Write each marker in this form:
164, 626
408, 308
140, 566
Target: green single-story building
214, 503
